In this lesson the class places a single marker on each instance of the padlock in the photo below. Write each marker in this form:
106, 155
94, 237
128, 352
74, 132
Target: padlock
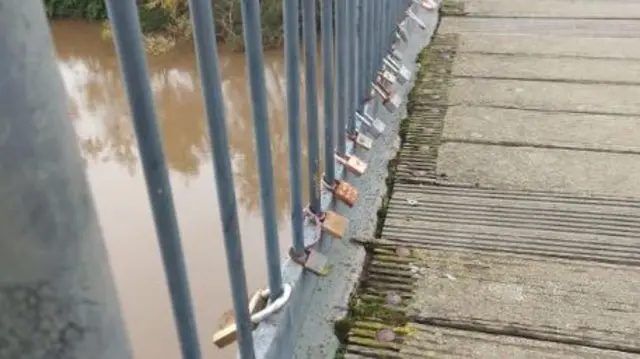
399, 75
335, 224
388, 76
396, 54
404, 74
346, 193
415, 18
397, 67
317, 263
378, 125
375, 125
429, 5
392, 103
353, 164
372, 125
381, 90
364, 141
227, 332
402, 33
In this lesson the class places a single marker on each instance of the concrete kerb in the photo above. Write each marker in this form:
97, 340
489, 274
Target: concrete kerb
304, 328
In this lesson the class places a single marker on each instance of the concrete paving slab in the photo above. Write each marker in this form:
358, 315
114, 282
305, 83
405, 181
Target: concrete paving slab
545, 68
554, 8
540, 169
547, 96
558, 225
518, 273
543, 26
551, 46
445, 343
542, 129
532, 297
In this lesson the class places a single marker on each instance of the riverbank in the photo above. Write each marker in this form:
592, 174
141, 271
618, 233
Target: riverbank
164, 22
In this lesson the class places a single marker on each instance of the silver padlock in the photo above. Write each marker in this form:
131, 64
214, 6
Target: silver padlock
396, 55
388, 76
415, 18
376, 123
392, 103
402, 33
364, 141
375, 126
402, 73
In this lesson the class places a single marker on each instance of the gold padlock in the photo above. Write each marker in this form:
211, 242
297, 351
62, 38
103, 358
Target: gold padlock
335, 224
346, 193
227, 331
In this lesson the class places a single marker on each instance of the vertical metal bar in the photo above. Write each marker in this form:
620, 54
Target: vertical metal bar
255, 66
379, 36
57, 294
128, 40
370, 45
352, 72
309, 30
387, 28
341, 73
327, 70
207, 54
291, 36
390, 25
362, 46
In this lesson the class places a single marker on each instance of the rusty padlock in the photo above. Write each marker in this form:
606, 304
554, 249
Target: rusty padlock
346, 193
335, 224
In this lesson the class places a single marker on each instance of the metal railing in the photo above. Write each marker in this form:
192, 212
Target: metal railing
52, 248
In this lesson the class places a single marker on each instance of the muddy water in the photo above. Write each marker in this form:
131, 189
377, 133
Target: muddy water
99, 112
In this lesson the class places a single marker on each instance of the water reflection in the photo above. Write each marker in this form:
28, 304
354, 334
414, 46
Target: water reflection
99, 110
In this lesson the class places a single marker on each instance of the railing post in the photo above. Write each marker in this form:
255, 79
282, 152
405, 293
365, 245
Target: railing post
352, 70
327, 71
255, 65
379, 36
370, 58
291, 49
128, 39
363, 28
341, 73
207, 53
57, 295
309, 30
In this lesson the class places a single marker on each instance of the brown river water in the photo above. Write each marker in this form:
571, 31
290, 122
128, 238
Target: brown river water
99, 111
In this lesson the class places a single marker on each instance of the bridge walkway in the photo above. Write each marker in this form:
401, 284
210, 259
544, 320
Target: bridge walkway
513, 227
